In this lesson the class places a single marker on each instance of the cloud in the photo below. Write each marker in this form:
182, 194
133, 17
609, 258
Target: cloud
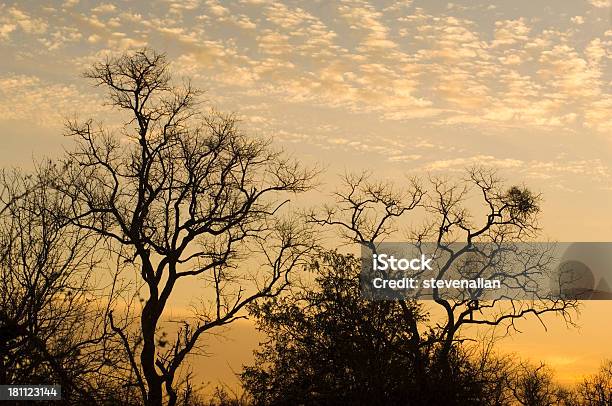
599, 3
509, 32
364, 17
565, 69
178, 6
30, 99
405, 158
6, 29
594, 169
459, 164
285, 17
578, 20
22, 19
274, 43
217, 9
120, 41
60, 37
557, 169
596, 50
104, 8
70, 3
599, 117
403, 63
243, 22
256, 2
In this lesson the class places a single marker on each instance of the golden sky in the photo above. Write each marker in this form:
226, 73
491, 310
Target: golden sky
406, 87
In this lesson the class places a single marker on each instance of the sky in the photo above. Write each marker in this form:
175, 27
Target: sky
407, 87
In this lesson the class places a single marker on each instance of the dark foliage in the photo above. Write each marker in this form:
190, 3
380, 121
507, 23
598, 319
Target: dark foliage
329, 346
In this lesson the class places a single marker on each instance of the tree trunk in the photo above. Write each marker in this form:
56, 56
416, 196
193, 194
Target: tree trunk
147, 356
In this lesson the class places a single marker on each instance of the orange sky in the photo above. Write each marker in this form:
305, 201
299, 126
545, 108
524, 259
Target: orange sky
573, 353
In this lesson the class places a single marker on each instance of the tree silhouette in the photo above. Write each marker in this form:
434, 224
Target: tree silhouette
534, 386
176, 195
597, 389
181, 195
52, 316
327, 345
367, 212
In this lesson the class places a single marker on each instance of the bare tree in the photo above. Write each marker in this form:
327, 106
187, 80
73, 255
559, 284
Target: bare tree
182, 195
597, 389
52, 322
510, 216
534, 386
368, 213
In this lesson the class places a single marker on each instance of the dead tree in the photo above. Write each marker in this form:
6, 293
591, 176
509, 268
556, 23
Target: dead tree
182, 196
